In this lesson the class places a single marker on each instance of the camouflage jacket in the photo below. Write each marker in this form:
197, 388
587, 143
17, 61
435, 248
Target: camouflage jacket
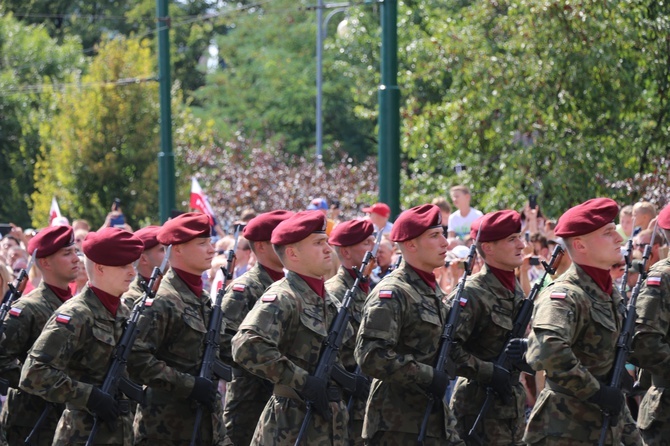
281, 340
484, 325
69, 358
23, 325
573, 339
651, 343
166, 357
397, 345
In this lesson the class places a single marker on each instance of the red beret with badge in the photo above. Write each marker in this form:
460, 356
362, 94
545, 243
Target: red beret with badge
586, 217
50, 240
664, 218
299, 227
184, 228
112, 247
496, 226
415, 221
352, 232
259, 229
149, 236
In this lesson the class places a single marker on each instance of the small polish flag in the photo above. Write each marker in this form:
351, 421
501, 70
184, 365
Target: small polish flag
54, 212
385, 294
654, 281
557, 295
148, 302
462, 301
269, 298
16, 312
239, 287
63, 318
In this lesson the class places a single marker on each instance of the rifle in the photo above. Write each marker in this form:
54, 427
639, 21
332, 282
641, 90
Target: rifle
448, 331
397, 263
336, 331
15, 292
211, 367
628, 258
518, 331
623, 345
114, 381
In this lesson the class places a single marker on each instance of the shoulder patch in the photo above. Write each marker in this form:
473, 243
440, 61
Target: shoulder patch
239, 287
558, 295
385, 294
16, 312
269, 297
462, 301
63, 318
654, 281
148, 302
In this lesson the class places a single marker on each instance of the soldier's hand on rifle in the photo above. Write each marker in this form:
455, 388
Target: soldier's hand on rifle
609, 399
500, 381
438, 386
315, 391
204, 392
103, 405
516, 350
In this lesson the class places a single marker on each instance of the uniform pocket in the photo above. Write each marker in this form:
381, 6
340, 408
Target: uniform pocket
603, 316
103, 333
651, 408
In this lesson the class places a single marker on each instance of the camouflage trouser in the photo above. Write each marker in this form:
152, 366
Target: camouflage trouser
356, 433
241, 420
391, 438
492, 431
657, 435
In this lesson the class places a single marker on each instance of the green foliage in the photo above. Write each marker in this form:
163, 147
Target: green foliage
30, 62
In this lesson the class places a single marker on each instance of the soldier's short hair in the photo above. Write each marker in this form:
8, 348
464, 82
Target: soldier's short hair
280, 250
338, 252
480, 251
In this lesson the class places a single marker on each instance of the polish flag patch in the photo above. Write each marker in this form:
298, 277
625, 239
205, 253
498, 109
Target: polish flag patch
63, 318
462, 301
269, 298
148, 302
239, 287
654, 281
556, 295
16, 312
385, 294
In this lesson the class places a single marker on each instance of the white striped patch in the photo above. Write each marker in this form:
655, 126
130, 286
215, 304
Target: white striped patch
654, 281
240, 287
16, 312
148, 302
269, 298
556, 295
462, 301
385, 294
63, 318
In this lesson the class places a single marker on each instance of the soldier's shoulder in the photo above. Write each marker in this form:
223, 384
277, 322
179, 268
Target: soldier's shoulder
661, 268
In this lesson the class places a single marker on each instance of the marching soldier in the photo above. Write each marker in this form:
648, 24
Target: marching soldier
399, 337
151, 257
247, 394
281, 338
494, 297
69, 360
576, 322
168, 352
57, 259
651, 346
352, 239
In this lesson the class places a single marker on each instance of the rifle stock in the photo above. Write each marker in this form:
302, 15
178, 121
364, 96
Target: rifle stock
114, 379
518, 331
336, 331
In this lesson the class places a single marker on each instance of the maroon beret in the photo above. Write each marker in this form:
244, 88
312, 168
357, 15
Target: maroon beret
352, 232
148, 235
259, 229
586, 217
415, 221
184, 228
298, 227
49, 240
112, 247
664, 218
496, 226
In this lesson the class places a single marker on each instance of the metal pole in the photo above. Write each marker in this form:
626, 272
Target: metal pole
389, 110
166, 174
319, 81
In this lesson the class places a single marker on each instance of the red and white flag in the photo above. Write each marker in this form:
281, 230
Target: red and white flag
199, 199
54, 212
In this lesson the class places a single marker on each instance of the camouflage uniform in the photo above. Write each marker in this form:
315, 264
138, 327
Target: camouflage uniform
246, 394
69, 358
337, 286
397, 344
651, 348
485, 323
166, 357
573, 339
280, 340
23, 325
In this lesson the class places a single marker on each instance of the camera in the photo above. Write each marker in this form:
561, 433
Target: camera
532, 201
534, 261
5, 228
117, 220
